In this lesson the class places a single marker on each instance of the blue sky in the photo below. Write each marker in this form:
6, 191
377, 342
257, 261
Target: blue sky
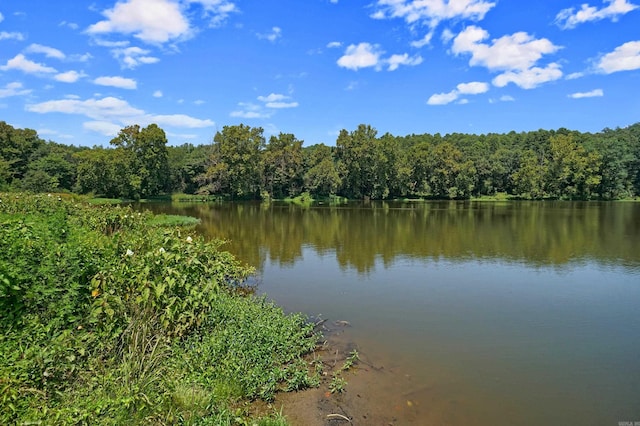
78, 71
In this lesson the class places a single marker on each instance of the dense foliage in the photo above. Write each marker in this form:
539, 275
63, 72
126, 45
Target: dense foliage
108, 319
240, 163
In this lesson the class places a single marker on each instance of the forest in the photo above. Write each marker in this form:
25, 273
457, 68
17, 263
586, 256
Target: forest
240, 163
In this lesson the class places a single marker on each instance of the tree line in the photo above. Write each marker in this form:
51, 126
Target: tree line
241, 163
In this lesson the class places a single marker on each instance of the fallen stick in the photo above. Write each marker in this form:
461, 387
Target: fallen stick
338, 416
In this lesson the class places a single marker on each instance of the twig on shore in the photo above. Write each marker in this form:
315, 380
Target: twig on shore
338, 416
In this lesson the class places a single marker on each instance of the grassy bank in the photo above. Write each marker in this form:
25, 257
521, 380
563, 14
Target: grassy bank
106, 318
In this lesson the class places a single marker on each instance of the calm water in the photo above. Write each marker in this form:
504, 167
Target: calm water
516, 313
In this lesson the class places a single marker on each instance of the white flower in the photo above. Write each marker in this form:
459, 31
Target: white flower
48, 195
189, 240
162, 250
129, 252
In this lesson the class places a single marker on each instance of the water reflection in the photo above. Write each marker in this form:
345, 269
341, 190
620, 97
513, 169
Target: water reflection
535, 233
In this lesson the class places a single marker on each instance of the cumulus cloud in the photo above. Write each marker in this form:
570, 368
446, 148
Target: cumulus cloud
432, 11
13, 89
272, 36
21, 63
592, 94
4, 35
471, 88
396, 60
277, 101
442, 98
367, 55
362, 55
216, 10
571, 18
109, 114
250, 110
159, 21
624, 58
515, 54
516, 51
132, 57
69, 76
115, 81
529, 78
334, 44
49, 52
157, 94
103, 127
152, 21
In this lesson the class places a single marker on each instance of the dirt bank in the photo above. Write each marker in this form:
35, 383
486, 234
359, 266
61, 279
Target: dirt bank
377, 392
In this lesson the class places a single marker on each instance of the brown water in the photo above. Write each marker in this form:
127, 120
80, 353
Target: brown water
520, 313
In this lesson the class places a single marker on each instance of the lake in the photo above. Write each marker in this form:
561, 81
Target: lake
495, 313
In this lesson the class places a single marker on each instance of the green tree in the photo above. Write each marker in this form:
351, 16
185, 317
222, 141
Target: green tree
16, 147
149, 156
283, 166
356, 154
234, 166
322, 177
571, 172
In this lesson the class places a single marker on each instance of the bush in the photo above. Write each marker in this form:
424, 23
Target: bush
106, 319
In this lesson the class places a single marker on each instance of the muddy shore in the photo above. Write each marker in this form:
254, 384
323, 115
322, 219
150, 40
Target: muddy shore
378, 392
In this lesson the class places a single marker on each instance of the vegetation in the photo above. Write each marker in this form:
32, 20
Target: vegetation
240, 164
107, 319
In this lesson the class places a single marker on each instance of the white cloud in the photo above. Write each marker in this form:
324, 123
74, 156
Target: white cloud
396, 60
13, 89
514, 54
517, 51
109, 112
570, 18
575, 75
432, 11
67, 24
471, 88
132, 57
216, 10
11, 36
152, 21
199, 102
276, 33
592, 94
423, 41
179, 120
529, 78
21, 63
624, 58
278, 101
120, 82
507, 98
334, 44
367, 55
104, 109
273, 97
1, 17
443, 98
279, 105
157, 94
250, 110
102, 127
363, 55
49, 52
69, 76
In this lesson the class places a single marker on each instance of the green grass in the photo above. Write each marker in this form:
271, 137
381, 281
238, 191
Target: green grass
170, 220
109, 320
104, 201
